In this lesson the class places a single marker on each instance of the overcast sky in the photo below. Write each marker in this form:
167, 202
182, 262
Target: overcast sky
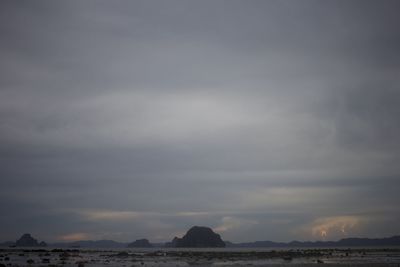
265, 120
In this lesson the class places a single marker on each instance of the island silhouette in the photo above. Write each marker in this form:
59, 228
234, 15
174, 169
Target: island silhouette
204, 237
198, 237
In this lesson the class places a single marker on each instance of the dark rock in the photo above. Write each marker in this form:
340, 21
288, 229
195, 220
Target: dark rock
140, 243
30, 261
199, 236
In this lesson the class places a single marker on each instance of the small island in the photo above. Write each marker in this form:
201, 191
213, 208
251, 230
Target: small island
26, 240
198, 237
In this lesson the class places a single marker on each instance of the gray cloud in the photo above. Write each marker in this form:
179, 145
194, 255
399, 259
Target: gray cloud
264, 120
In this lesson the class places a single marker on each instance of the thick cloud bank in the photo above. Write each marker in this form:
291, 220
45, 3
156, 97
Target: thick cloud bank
270, 120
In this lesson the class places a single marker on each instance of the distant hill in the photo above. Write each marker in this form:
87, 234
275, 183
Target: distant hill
198, 236
26, 240
140, 243
346, 242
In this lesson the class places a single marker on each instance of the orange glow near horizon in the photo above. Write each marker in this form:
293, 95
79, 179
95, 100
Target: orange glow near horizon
74, 237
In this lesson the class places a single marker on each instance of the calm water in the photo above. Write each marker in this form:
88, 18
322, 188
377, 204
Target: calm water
201, 257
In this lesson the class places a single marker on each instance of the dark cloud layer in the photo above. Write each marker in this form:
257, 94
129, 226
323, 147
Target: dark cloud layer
262, 119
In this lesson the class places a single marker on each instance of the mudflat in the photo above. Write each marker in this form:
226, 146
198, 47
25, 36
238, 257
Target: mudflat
373, 257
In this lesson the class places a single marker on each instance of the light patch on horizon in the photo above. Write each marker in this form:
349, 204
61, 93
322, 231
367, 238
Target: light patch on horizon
74, 237
336, 226
116, 215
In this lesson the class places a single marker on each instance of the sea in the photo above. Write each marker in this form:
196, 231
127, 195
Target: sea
129, 257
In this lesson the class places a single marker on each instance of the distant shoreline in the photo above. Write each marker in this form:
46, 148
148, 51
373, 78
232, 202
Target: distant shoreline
347, 242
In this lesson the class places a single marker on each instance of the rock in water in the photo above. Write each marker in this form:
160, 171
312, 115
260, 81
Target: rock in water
199, 236
27, 240
140, 243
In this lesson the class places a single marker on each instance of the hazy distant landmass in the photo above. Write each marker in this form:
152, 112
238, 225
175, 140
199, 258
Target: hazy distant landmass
346, 242
198, 236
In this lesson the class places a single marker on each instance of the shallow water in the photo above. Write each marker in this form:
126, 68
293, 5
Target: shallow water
200, 257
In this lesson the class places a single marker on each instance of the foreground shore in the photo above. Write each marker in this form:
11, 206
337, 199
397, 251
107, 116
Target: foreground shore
199, 257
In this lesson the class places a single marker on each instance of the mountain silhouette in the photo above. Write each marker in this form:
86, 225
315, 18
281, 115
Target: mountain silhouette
26, 240
198, 236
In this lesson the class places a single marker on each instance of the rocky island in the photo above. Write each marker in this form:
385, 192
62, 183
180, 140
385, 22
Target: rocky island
198, 237
26, 240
